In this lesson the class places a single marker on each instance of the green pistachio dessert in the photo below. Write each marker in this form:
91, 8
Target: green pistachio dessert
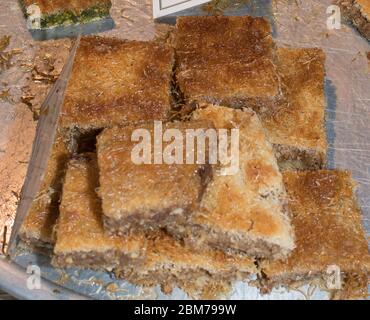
54, 13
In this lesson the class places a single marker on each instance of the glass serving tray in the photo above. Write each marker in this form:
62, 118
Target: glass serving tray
296, 24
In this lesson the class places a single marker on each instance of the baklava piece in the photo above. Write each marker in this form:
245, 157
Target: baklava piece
357, 12
37, 228
199, 273
117, 81
244, 211
65, 12
354, 286
296, 125
138, 195
80, 238
327, 223
226, 60
151, 260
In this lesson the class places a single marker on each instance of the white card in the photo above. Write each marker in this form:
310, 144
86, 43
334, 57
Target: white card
163, 8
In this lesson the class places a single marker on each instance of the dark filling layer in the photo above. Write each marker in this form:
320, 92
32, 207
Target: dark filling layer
36, 245
140, 221
200, 236
291, 158
95, 260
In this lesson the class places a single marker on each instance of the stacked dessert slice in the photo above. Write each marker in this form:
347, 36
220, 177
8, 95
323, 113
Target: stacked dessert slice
147, 260
100, 94
330, 241
226, 60
232, 61
81, 240
296, 125
37, 229
114, 82
135, 205
147, 192
243, 211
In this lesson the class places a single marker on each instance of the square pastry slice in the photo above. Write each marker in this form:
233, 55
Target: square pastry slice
203, 273
296, 126
329, 235
244, 211
37, 228
226, 60
139, 188
155, 259
116, 81
64, 12
81, 240
357, 12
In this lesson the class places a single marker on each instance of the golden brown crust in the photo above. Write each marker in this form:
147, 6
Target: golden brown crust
225, 60
246, 208
37, 228
48, 7
355, 286
80, 228
358, 14
297, 123
115, 82
365, 7
327, 224
145, 194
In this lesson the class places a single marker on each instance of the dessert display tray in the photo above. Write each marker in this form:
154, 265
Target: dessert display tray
347, 87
